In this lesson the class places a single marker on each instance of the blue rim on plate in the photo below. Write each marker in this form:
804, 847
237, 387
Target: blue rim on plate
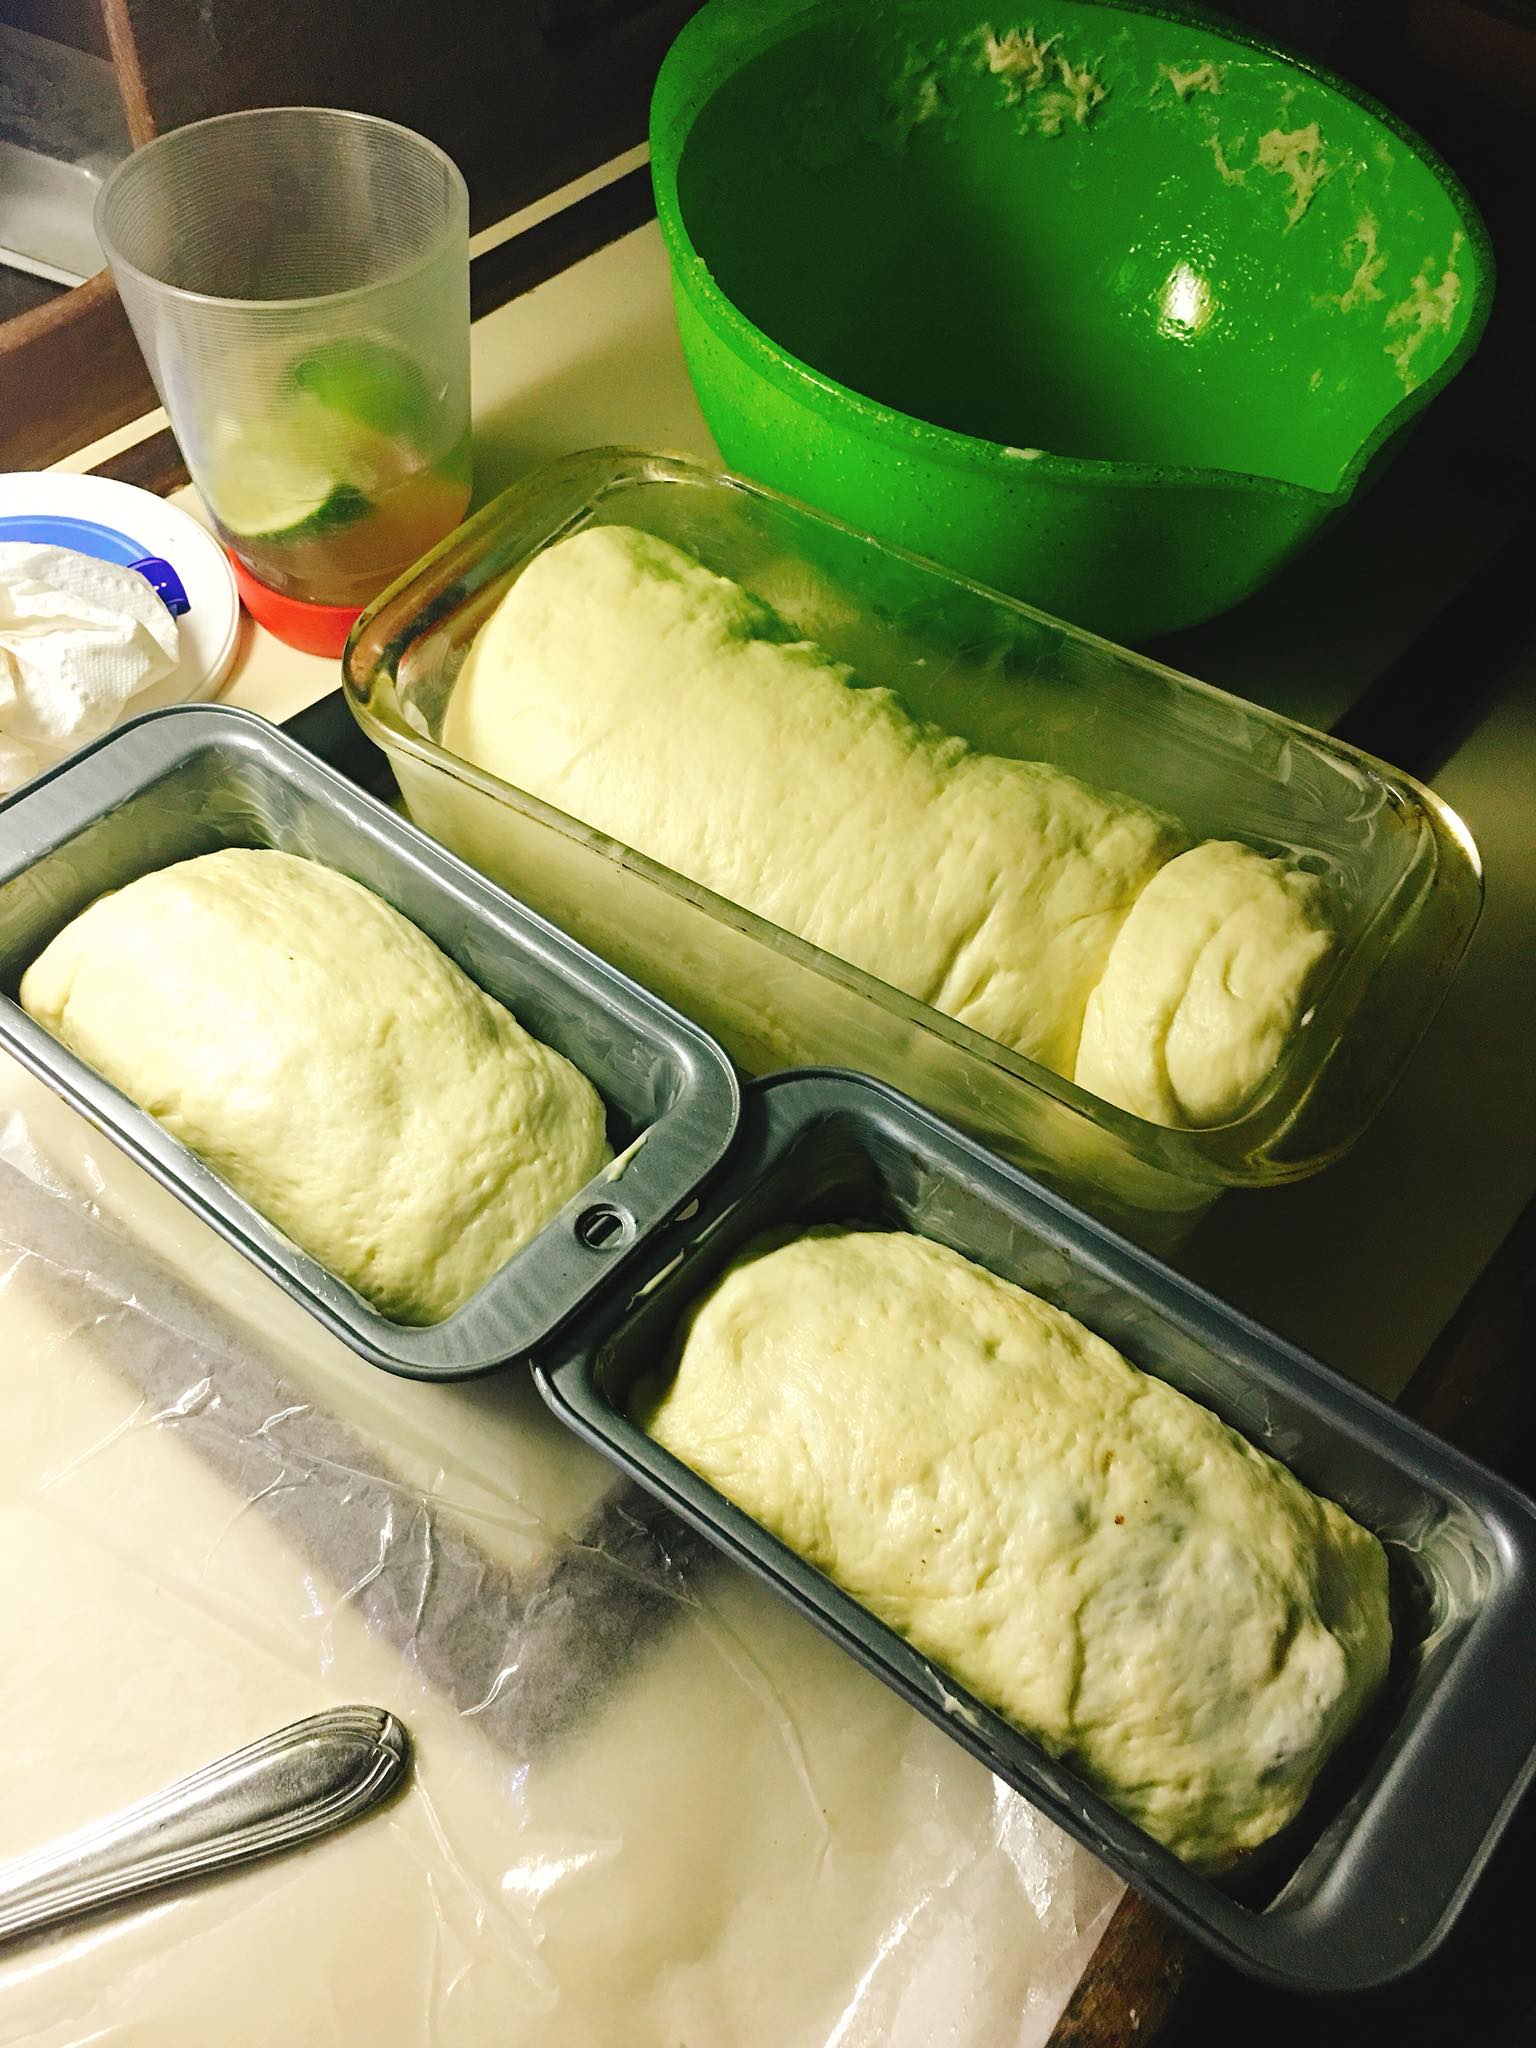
106, 544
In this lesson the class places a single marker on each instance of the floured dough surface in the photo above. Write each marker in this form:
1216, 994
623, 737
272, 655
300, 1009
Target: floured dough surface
335, 1067
1082, 1546
660, 703
1205, 985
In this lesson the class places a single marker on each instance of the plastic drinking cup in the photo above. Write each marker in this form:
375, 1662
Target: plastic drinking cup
298, 279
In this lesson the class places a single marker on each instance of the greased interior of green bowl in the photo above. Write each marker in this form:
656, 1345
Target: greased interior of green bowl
1103, 234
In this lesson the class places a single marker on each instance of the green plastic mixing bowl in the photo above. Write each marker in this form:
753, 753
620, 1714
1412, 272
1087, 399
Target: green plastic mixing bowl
1107, 307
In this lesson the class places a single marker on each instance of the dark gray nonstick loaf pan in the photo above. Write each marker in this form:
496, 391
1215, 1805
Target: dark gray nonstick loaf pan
1368, 1878
183, 781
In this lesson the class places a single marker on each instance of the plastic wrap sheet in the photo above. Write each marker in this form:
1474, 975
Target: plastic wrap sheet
651, 1806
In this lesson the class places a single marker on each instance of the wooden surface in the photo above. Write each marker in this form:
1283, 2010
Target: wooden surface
525, 95
20, 291
1130, 1989
544, 250
69, 371
76, 22
1476, 1388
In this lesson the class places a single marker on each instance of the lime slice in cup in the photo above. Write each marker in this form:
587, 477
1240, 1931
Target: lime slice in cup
264, 485
371, 383
293, 520
349, 427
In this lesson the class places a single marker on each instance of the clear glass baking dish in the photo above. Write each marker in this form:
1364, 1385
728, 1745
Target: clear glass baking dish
1013, 681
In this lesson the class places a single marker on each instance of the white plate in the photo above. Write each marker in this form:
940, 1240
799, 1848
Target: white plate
210, 629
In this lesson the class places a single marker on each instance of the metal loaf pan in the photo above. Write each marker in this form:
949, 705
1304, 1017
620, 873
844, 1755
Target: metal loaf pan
186, 780
1368, 1878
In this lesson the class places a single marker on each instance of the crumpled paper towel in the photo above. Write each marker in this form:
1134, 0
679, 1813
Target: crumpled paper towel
78, 639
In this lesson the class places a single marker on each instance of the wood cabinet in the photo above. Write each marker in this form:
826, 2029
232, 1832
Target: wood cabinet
523, 94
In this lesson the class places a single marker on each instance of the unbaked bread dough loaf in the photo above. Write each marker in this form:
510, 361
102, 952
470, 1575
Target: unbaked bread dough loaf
631, 688
1206, 982
336, 1068
637, 691
1083, 1547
